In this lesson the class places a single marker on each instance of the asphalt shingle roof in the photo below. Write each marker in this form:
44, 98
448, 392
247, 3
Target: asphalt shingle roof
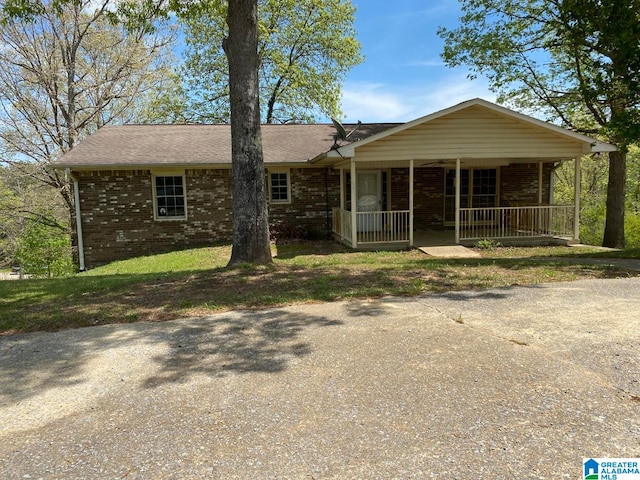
173, 145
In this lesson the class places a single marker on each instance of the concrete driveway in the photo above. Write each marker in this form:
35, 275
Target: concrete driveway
518, 382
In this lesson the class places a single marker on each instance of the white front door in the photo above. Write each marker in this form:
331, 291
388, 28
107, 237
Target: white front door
369, 192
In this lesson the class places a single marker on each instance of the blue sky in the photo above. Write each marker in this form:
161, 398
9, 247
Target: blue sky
403, 76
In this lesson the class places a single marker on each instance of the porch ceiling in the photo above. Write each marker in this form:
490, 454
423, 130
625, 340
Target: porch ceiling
445, 163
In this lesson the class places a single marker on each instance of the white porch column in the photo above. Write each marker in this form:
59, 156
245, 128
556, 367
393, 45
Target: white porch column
354, 205
540, 221
457, 200
411, 203
577, 190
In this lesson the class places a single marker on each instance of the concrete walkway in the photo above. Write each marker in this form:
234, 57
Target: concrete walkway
441, 243
518, 382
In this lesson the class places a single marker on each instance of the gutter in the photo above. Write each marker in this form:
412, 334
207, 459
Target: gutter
76, 201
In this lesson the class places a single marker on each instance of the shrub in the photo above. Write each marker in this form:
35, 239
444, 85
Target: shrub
282, 232
632, 230
44, 251
487, 244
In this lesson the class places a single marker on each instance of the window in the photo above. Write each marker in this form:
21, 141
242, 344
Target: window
478, 189
169, 197
279, 191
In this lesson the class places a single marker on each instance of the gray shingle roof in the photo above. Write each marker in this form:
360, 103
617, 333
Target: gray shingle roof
175, 145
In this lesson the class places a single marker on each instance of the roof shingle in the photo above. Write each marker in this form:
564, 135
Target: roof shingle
175, 145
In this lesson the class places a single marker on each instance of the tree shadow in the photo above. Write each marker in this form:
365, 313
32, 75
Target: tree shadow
302, 249
239, 342
242, 342
363, 308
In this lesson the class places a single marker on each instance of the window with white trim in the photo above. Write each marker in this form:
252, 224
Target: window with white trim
169, 197
478, 189
279, 186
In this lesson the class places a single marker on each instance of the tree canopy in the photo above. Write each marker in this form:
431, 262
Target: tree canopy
67, 70
575, 61
305, 49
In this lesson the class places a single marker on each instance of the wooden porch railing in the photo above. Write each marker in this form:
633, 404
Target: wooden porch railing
509, 222
373, 227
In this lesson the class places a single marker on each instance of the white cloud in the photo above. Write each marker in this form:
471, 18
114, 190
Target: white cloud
372, 102
379, 102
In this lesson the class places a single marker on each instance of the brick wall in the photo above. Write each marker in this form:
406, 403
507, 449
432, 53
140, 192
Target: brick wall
309, 207
118, 220
519, 184
428, 195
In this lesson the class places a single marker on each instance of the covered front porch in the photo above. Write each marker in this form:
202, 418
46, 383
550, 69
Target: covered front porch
477, 169
359, 224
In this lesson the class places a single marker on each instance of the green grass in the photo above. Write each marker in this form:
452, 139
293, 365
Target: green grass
560, 251
192, 260
196, 282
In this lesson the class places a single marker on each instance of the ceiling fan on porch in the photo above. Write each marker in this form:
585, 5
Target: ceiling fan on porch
438, 163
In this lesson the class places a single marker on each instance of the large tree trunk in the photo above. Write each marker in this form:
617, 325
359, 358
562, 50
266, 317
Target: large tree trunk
250, 217
614, 227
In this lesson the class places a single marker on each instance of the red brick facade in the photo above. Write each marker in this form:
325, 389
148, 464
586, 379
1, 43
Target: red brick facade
117, 207
118, 222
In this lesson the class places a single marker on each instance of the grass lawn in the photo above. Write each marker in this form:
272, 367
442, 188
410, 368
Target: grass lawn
196, 282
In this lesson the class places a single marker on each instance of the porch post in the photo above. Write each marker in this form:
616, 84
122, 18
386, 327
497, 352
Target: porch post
576, 192
457, 200
411, 202
542, 215
354, 205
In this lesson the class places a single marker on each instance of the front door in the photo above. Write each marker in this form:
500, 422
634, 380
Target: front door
369, 192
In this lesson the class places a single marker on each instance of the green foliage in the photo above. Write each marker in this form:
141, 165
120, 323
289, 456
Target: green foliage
632, 226
595, 173
44, 251
487, 244
305, 46
68, 67
9, 226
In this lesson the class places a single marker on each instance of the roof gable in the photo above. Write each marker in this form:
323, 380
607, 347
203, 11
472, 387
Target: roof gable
496, 118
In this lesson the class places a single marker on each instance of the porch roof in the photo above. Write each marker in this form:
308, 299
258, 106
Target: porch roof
475, 131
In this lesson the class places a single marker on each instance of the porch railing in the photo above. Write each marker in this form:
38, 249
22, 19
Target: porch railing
342, 225
509, 222
373, 227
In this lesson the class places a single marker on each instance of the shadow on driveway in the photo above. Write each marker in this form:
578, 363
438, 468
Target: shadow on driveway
88, 358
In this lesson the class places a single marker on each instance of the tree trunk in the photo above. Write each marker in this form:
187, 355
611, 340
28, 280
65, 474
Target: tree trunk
250, 217
614, 227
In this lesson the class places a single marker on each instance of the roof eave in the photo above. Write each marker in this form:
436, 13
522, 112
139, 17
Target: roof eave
601, 147
137, 166
330, 157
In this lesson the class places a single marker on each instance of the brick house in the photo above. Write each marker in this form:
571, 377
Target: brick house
478, 169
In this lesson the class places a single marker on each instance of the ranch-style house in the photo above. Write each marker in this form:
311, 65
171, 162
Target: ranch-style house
477, 170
